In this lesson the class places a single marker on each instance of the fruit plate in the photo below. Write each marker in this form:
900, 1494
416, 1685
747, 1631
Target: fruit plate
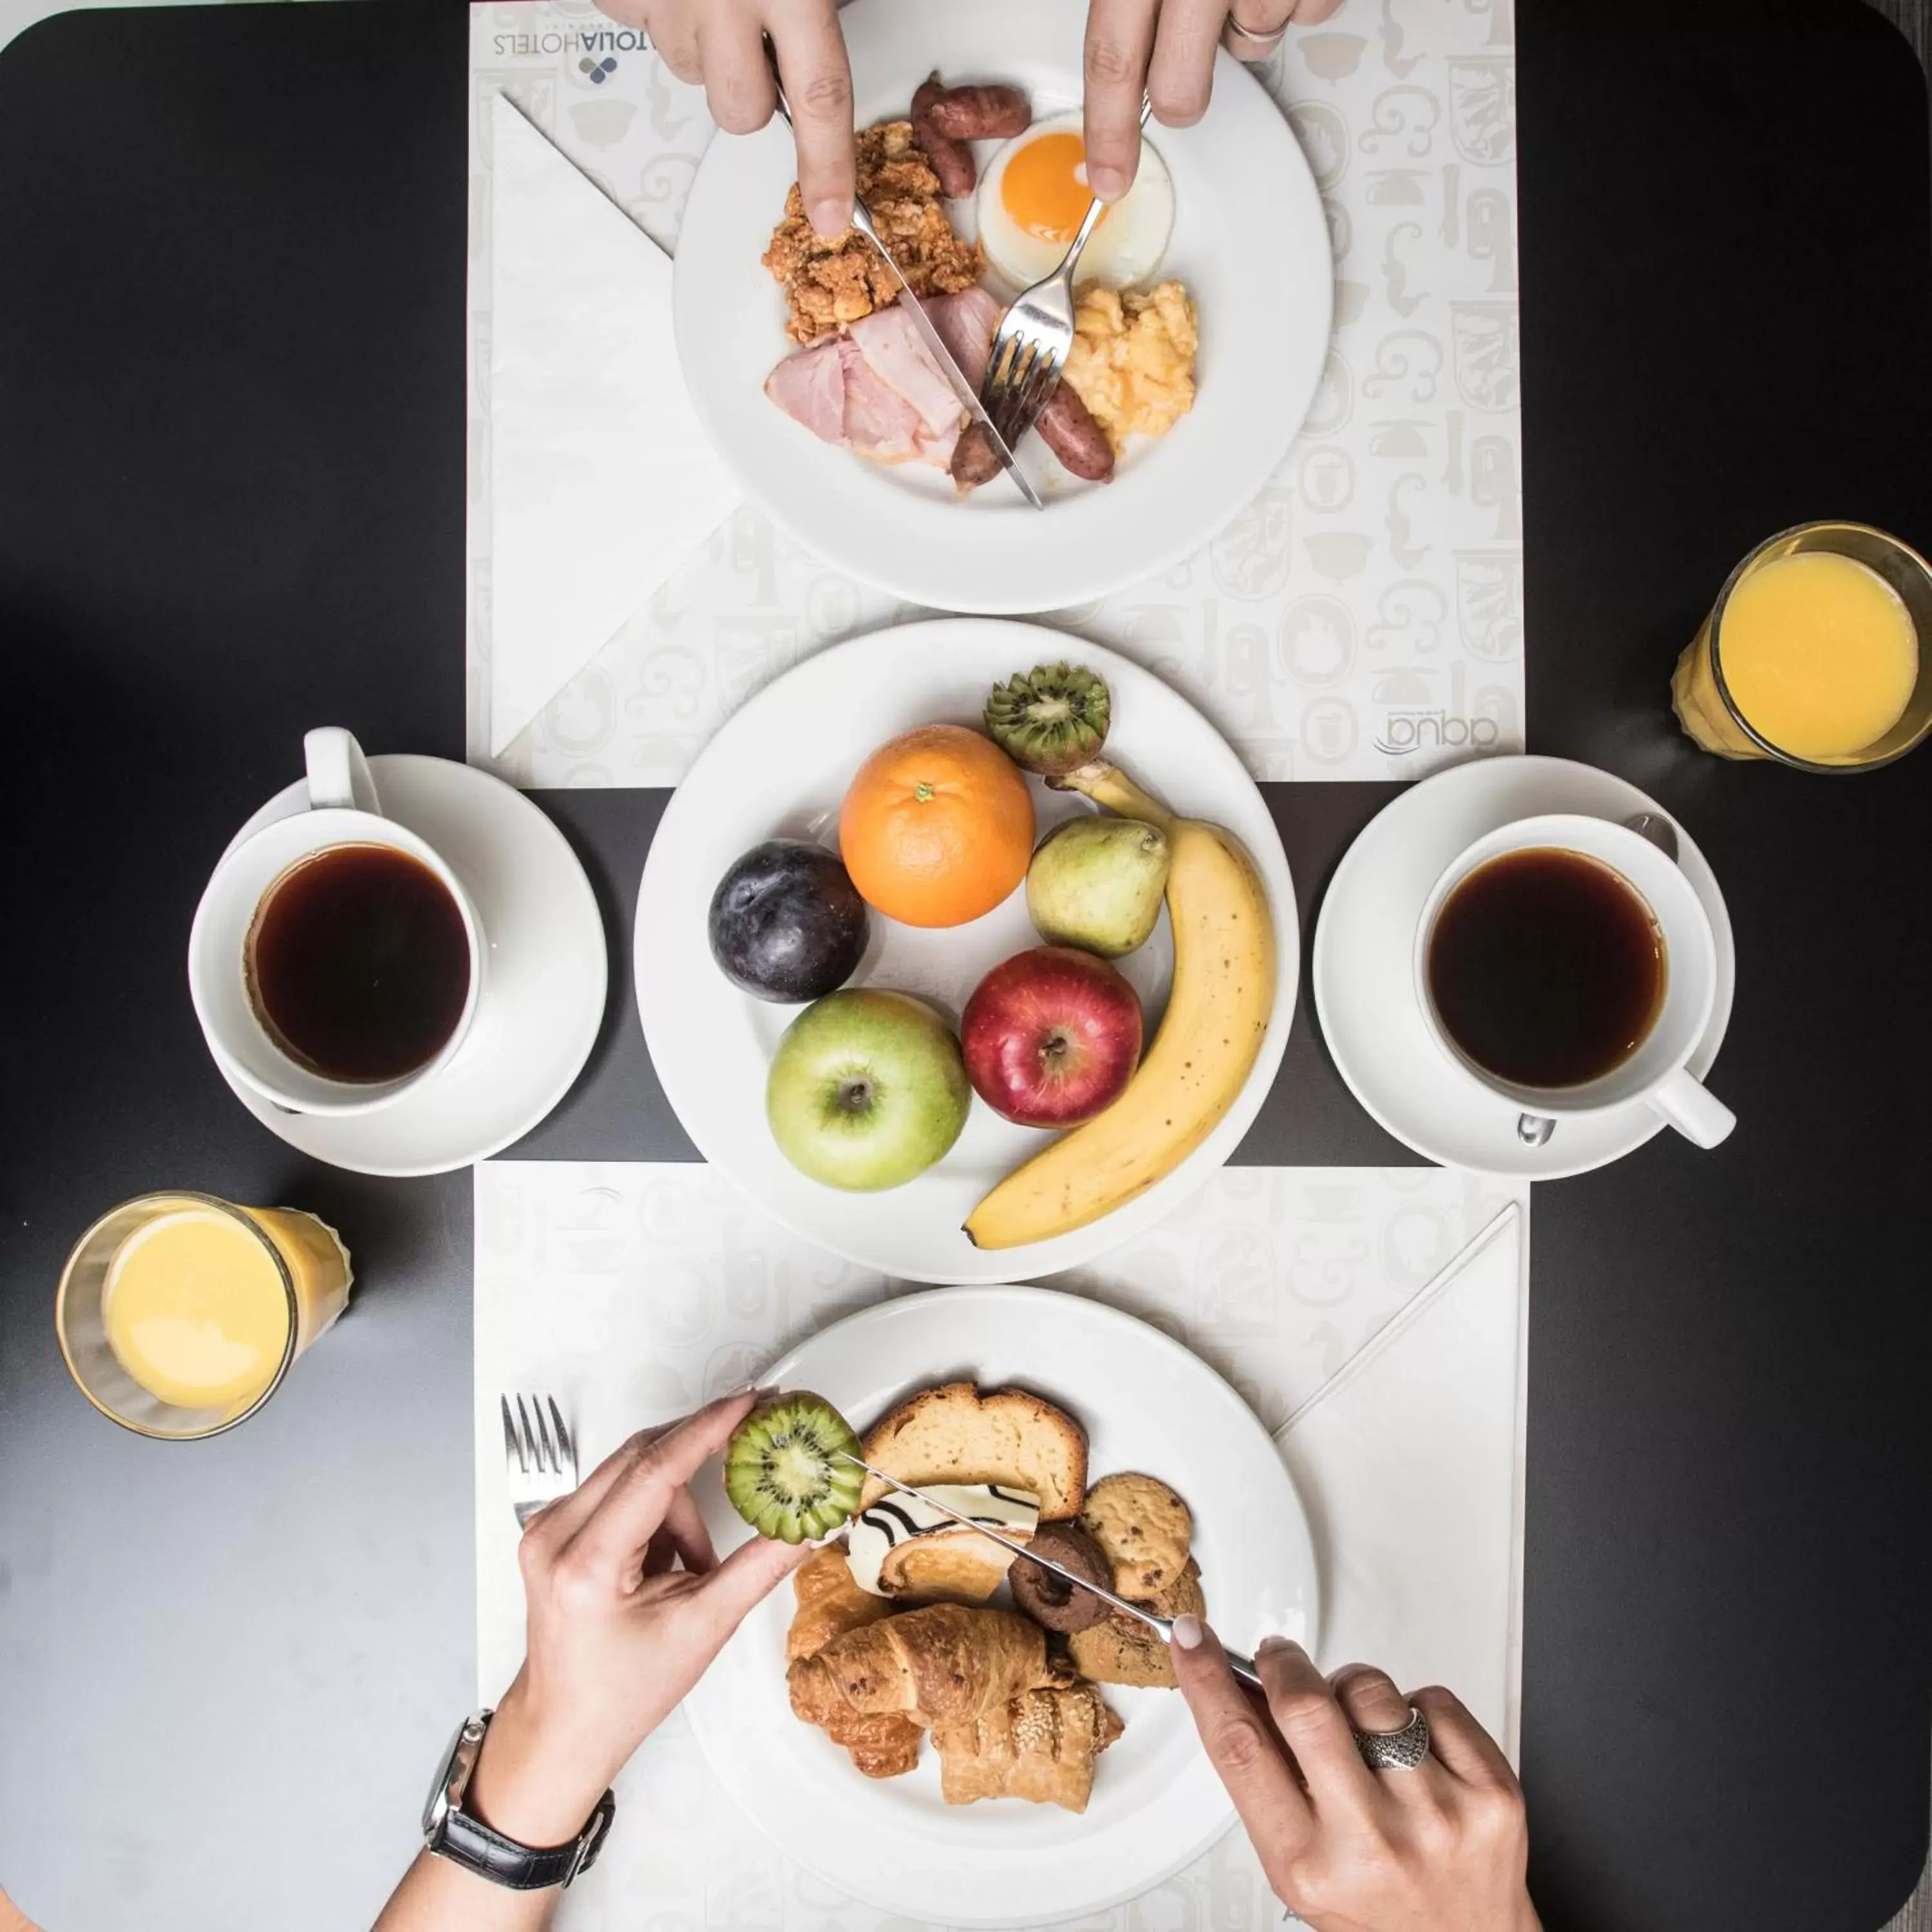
1249, 240
780, 766
1146, 1403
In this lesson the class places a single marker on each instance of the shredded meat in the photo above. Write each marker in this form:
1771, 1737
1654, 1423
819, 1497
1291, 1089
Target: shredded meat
828, 284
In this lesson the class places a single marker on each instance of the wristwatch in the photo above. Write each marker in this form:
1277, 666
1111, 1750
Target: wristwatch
460, 1836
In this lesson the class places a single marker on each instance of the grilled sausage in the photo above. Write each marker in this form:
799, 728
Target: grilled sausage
952, 160
980, 113
974, 459
1071, 433
1069, 430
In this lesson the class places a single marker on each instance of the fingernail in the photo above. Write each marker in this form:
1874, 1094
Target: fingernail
1268, 1643
1107, 181
831, 217
1188, 1632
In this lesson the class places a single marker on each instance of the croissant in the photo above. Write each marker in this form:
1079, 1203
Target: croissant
830, 1606
1041, 1746
949, 1664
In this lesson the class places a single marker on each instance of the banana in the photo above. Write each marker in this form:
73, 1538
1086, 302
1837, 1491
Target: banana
1217, 1016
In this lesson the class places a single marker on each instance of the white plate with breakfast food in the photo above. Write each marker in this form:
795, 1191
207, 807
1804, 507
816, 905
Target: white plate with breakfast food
921, 1719
935, 1014
1206, 299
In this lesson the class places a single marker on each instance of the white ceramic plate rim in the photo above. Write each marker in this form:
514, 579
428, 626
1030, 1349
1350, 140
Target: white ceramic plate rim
1250, 239
332, 1138
1611, 1135
677, 979
897, 1329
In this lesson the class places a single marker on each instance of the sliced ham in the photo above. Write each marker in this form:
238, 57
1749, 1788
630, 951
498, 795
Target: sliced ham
966, 323
810, 388
880, 424
876, 389
890, 344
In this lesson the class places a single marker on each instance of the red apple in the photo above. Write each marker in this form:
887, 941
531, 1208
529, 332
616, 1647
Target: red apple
1051, 1036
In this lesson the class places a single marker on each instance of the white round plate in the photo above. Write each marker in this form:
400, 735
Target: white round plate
1146, 1404
1365, 987
1250, 242
779, 768
544, 981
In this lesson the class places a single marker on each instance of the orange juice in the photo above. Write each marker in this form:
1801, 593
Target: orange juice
1819, 653
178, 1313
196, 1311
1812, 655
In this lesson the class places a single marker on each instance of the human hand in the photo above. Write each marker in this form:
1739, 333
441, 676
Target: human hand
1442, 1848
720, 43
618, 1631
1165, 48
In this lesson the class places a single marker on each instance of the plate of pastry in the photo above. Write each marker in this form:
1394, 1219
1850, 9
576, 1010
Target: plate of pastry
1203, 304
934, 1726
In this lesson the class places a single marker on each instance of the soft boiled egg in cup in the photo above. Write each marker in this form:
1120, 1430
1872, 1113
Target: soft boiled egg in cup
1034, 195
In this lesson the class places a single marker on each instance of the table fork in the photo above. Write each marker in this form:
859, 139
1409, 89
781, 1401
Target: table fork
1030, 346
540, 1458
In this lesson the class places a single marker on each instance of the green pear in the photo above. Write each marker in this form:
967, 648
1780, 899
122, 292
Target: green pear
1097, 882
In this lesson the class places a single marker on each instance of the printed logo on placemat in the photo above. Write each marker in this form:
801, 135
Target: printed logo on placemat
599, 41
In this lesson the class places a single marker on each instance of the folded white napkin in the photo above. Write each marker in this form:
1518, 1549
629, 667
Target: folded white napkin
602, 482
1408, 1464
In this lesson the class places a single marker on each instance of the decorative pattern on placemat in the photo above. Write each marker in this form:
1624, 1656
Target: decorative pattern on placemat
634, 1292
1362, 619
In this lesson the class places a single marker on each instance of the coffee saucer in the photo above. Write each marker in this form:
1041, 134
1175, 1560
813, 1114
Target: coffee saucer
545, 979
1365, 996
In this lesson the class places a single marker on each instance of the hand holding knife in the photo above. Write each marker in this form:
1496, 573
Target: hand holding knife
935, 346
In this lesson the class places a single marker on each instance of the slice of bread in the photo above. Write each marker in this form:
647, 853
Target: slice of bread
945, 1566
957, 1433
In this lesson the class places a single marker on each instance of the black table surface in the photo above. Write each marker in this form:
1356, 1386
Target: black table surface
231, 260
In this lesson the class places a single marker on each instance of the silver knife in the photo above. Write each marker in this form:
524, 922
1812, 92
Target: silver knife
935, 343
1243, 1667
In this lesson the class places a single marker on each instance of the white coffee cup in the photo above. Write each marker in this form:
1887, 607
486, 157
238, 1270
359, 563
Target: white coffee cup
344, 809
1655, 1072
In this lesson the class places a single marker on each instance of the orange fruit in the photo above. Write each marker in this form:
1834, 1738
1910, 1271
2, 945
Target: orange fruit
936, 827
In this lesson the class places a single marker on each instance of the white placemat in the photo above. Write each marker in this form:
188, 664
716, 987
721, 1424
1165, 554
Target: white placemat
634, 1292
1363, 620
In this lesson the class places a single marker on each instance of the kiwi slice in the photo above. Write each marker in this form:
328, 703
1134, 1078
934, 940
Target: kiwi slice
785, 1470
1051, 720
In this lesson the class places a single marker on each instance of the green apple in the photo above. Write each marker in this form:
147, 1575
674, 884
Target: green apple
866, 1090
1097, 882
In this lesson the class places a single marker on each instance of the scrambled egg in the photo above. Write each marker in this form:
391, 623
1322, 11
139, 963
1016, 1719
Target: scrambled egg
1132, 358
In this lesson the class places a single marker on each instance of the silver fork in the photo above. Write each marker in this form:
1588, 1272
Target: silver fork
1031, 343
539, 1456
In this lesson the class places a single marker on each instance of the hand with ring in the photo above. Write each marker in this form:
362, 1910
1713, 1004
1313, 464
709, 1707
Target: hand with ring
1372, 1811
1165, 48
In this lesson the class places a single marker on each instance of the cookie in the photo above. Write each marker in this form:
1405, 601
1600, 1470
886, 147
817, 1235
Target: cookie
1144, 1528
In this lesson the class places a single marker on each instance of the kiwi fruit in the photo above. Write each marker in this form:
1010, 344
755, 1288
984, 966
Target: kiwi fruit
1051, 720
1053, 1603
785, 1470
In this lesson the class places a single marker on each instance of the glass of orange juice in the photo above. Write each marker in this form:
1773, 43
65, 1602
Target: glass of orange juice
1816, 653
179, 1313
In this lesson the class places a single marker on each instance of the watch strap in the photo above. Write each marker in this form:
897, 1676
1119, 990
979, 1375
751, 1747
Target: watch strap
472, 1844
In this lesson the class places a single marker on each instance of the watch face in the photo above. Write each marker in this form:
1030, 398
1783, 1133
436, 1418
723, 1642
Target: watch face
469, 1733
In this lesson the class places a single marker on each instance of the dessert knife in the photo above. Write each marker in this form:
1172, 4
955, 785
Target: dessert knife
1243, 1667
935, 343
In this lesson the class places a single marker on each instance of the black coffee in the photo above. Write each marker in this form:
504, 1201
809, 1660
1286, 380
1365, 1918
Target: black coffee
1545, 968
357, 963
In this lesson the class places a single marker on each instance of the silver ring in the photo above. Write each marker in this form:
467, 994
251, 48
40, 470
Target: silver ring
1271, 39
1396, 1750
